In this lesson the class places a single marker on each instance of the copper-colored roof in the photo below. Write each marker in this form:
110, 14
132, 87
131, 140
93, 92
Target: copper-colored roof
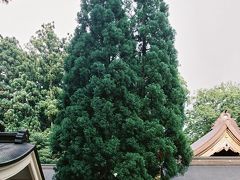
223, 128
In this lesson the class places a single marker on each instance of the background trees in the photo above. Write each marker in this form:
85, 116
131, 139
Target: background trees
31, 82
12, 67
46, 53
207, 105
122, 113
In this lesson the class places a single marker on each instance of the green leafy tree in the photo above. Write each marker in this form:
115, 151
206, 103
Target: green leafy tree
47, 53
31, 84
12, 58
123, 107
21, 113
206, 106
20, 95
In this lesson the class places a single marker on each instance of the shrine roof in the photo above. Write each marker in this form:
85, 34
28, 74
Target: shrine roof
224, 124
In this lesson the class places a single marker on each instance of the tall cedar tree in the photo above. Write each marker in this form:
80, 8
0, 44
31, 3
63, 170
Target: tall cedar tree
161, 90
122, 113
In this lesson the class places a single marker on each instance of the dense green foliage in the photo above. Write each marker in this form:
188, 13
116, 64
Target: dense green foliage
12, 66
31, 83
123, 108
207, 105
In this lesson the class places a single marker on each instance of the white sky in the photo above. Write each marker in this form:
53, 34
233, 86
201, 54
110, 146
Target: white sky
208, 40
22, 18
208, 33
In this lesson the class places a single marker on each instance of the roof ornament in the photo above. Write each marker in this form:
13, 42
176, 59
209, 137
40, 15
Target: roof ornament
225, 115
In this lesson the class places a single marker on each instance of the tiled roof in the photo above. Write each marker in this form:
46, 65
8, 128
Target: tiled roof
10, 152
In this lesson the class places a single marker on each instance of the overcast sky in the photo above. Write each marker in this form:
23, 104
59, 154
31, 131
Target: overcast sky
208, 33
208, 40
22, 18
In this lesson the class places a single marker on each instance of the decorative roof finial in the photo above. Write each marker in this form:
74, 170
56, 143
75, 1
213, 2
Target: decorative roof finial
225, 114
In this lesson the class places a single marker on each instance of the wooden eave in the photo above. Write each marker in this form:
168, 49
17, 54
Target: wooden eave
216, 161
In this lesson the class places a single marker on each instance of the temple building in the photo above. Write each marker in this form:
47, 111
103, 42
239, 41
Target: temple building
216, 154
18, 158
